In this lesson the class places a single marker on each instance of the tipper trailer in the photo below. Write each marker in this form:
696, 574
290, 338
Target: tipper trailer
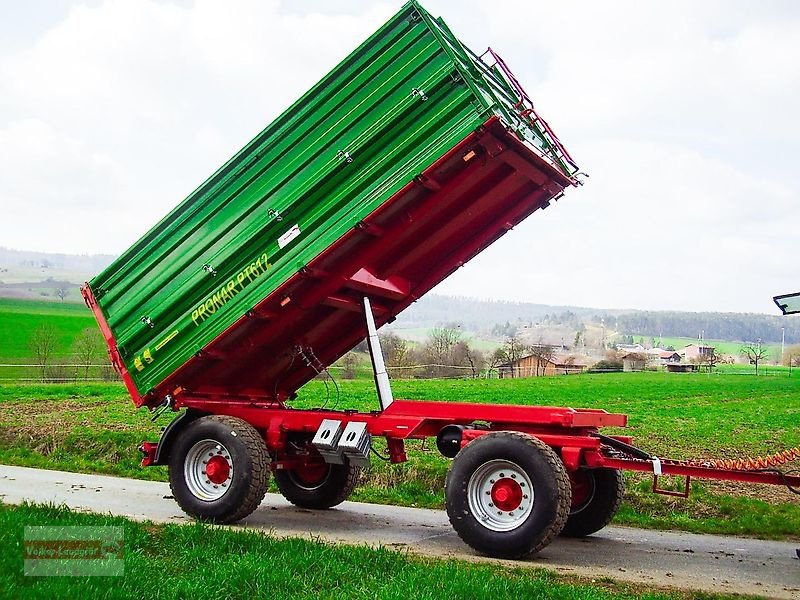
404, 162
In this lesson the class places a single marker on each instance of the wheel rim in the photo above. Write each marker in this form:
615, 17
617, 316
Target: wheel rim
311, 476
583, 490
208, 470
500, 495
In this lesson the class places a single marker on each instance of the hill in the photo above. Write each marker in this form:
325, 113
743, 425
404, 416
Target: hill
556, 324
40, 275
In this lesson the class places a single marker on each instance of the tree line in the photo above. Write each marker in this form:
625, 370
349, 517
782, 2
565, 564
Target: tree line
714, 326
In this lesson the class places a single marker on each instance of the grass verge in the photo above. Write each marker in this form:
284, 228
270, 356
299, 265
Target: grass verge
186, 561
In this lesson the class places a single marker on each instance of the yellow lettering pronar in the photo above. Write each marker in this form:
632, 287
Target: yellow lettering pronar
225, 293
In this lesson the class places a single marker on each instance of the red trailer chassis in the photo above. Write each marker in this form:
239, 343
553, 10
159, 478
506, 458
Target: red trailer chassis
500, 452
573, 433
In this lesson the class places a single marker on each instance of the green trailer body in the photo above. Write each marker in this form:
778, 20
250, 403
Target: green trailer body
386, 114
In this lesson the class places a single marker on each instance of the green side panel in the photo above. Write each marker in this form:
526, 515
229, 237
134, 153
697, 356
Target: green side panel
388, 111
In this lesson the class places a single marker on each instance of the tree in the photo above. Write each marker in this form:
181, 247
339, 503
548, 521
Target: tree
709, 360
439, 350
349, 365
61, 292
577, 340
395, 349
791, 357
543, 355
88, 349
754, 352
42, 344
510, 352
464, 355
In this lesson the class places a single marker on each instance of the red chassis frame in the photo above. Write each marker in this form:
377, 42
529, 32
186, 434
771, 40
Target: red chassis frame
572, 433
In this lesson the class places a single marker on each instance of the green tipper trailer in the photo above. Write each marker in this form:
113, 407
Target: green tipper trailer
403, 163
372, 126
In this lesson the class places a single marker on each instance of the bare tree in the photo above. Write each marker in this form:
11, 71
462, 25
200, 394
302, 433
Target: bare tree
464, 355
709, 360
42, 345
349, 365
509, 353
543, 355
395, 349
88, 348
754, 352
439, 349
61, 292
791, 357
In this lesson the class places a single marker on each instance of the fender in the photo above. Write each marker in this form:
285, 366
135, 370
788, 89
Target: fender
160, 454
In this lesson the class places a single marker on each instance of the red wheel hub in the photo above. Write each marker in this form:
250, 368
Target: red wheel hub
506, 494
312, 473
582, 488
218, 470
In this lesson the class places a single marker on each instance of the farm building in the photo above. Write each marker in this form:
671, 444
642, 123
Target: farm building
630, 348
634, 361
666, 357
696, 352
534, 366
681, 367
663, 357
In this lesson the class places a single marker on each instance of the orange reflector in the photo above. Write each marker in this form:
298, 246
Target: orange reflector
469, 156
285, 301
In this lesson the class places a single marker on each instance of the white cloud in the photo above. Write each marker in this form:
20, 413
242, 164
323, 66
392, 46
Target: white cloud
682, 112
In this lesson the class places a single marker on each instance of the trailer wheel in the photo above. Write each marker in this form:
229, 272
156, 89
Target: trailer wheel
318, 484
218, 469
508, 494
596, 497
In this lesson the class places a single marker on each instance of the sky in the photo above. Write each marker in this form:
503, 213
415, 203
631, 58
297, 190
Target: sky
683, 113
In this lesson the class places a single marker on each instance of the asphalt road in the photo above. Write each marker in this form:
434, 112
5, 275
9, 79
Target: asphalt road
674, 560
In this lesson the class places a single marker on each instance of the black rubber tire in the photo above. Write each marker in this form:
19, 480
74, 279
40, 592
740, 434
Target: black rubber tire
250, 459
335, 487
605, 497
552, 494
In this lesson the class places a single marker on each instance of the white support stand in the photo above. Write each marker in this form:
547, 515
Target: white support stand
376, 355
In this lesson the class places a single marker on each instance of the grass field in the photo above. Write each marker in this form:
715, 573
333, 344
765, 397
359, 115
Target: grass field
198, 561
94, 428
19, 320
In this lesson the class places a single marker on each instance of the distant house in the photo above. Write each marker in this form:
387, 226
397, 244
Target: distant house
531, 366
667, 357
630, 348
662, 357
696, 352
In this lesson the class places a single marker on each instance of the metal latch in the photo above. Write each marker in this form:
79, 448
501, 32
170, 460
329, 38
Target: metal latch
275, 215
210, 270
326, 441
147, 321
355, 443
419, 92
